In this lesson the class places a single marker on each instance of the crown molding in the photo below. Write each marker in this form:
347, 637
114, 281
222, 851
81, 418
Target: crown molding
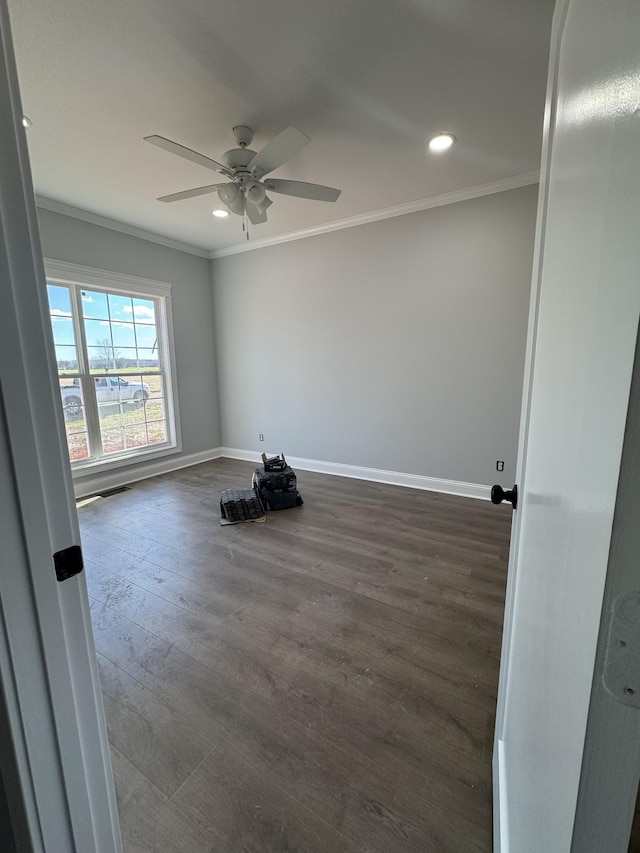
499, 186
44, 203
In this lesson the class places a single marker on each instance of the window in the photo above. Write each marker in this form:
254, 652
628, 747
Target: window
113, 351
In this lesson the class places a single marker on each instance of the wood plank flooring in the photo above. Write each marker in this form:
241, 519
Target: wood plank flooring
324, 682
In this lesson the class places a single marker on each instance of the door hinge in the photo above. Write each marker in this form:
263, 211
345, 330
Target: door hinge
68, 562
621, 675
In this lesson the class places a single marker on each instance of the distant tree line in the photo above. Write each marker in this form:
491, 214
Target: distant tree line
109, 358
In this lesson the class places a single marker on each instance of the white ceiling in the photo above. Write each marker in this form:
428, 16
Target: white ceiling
368, 80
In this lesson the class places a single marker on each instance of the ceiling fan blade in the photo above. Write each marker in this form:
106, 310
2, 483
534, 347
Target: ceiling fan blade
256, 216
188, 154
282, 148
301, 189
190, 193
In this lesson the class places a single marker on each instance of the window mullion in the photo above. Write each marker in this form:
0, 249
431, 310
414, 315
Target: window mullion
89, 391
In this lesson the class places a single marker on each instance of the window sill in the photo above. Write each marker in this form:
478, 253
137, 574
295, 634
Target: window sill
80, 469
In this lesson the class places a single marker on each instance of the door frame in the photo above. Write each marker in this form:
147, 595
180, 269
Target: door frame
500, 821
609, 771
54, 751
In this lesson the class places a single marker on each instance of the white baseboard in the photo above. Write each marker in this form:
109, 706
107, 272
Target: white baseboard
375, 475
100, 483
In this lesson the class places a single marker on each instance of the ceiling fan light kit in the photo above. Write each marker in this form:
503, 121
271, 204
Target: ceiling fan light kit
228, 193
256, 193
244, 193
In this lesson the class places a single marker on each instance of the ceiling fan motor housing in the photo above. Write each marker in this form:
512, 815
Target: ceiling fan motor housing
238, 158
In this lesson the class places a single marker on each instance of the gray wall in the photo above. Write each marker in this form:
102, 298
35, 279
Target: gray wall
75, 241
396, 345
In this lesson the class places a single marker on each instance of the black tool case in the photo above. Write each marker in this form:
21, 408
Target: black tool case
275, 481
276, 484
282, 500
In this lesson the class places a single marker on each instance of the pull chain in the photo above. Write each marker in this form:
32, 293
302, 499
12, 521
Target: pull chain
245, 221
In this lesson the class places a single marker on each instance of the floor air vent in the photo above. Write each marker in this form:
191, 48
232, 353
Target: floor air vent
108, 492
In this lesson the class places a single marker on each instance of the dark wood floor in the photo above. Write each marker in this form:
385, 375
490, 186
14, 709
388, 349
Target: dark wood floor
322, 682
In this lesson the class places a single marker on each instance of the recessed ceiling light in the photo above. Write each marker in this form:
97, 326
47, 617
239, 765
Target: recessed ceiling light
26, 121
441, 142
221, 214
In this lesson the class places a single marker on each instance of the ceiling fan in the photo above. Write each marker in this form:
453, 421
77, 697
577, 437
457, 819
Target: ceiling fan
245, 191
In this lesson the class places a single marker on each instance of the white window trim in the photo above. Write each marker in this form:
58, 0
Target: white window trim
62, 272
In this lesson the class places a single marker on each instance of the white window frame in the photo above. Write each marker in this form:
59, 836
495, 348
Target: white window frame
76, 275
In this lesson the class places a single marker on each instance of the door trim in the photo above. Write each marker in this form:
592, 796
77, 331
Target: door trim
500, 813
609, 774
55, 752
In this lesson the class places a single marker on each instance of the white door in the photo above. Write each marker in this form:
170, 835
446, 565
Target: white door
583, 330
54, 753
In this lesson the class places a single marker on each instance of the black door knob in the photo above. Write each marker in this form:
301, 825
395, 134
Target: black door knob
498, 494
